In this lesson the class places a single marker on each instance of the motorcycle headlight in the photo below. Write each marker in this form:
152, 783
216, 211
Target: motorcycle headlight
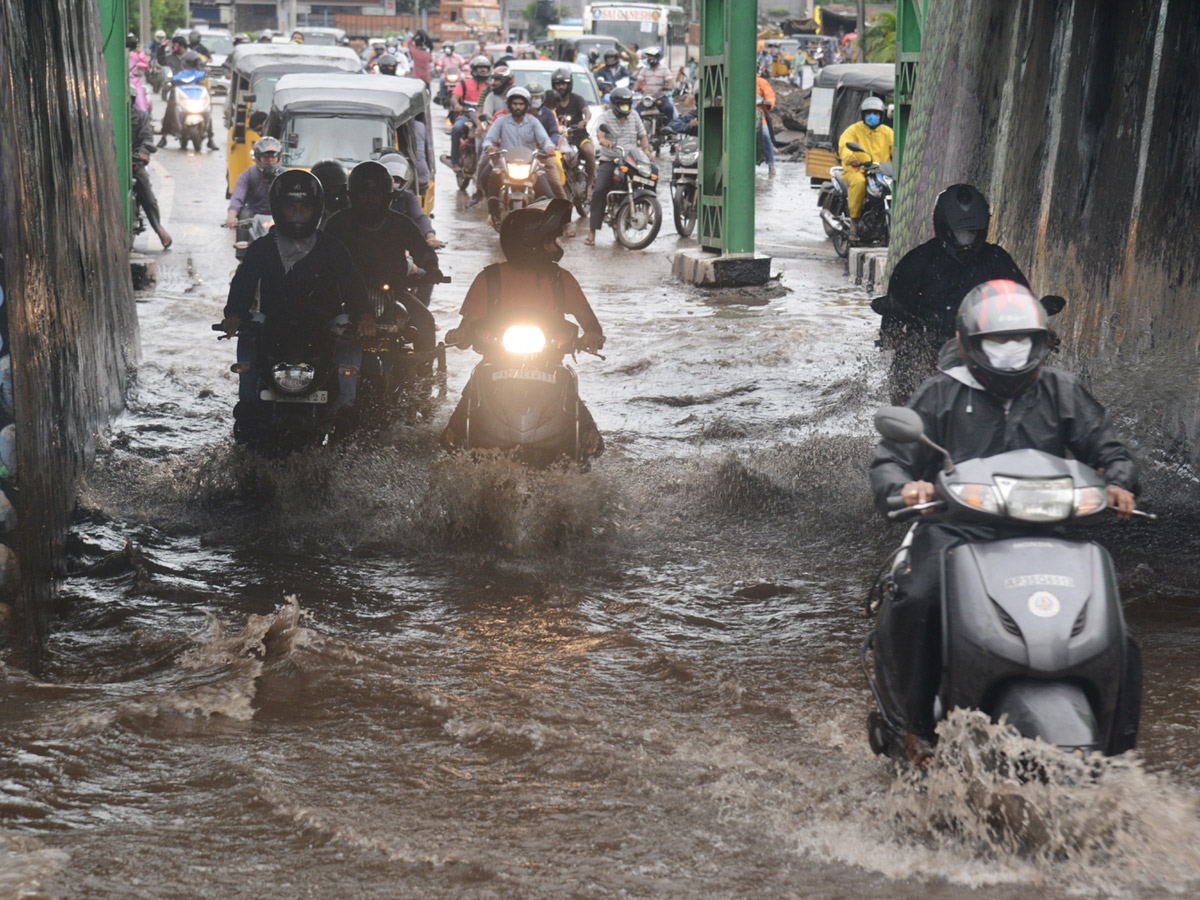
644, 171
524, 340
980, 496
689, 159
292, 378
519, 171
1050, 500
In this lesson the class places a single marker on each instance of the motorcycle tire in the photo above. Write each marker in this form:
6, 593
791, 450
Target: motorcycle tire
841, 243
196, 143
579, 192
466, 170
623, 222
685, 213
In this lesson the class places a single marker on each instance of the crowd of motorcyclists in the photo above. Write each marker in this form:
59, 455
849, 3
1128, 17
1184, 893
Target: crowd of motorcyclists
970, 342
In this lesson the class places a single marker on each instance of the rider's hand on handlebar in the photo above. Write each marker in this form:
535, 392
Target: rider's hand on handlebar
591, 342
1122, 499
232, 325
432, 240
458, 337
854, 162
231, 219
916, 492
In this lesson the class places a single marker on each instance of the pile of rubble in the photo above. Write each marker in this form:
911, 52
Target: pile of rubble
789, 118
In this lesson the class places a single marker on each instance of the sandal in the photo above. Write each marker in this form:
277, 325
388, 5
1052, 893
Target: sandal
589, 241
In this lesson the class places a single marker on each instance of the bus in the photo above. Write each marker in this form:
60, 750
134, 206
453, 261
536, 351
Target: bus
636, 24
470, 19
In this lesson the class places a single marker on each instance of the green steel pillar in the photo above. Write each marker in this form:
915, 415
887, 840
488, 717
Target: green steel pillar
910, 24
728, 143
114, 25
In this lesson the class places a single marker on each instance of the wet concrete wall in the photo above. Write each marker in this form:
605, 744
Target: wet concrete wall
72, 320
1081, 122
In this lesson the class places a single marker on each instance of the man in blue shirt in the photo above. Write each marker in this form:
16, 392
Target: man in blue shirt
516, 129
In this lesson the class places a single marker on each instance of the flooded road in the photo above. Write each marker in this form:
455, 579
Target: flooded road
376, 671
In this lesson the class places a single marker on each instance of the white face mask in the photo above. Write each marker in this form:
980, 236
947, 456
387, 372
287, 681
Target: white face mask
1010, 355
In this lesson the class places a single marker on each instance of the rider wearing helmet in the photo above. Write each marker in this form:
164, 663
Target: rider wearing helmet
297, 271
921, 305
380, 241
493, 98
530, 279
993, 394
387, 64
448, 58
194, 44
574, 115
517, 129
251, 194
611, 71
620, 126
655, 79
159, 47
190, 61
876, 140
468, 90
539, 110
404, 197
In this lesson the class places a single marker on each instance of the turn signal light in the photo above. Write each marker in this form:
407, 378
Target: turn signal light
240, 368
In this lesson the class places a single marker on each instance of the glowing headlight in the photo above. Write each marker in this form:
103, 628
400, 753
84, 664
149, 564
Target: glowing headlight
524, 340
980, 496
519, 171
1037, 501
195, 105
292, 378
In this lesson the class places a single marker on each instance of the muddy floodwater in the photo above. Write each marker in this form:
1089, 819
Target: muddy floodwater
378, 672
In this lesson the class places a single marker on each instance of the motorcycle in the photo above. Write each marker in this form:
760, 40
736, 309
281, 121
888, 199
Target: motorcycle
522, 396
450, 79
631, 207
250, 231
654, 120
575, 180
1032, 622
519, 169
193, 108
396, 380
875, 220
685, 183
468, 154
297, 384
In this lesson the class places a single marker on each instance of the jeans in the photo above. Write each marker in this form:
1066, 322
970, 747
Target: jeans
768, 145
666, 107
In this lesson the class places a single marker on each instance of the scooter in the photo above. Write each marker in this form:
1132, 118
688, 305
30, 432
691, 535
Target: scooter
875, 220
685, 183
297, 384
632, 207
193, 107
1032, 627
449, 81
654, 120
522, 396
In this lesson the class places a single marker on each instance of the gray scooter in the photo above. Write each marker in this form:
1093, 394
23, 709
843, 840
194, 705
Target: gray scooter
1032, 626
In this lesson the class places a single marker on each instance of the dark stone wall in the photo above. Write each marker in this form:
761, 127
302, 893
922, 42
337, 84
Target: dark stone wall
1081, 123
72, 319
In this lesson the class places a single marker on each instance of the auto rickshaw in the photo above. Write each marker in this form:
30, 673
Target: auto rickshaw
783, 55
254, 70
838, 92
352, 118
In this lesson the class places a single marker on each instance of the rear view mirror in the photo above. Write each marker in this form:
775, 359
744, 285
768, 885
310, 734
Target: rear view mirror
377, 145
249, 99
1054, 304
293, 141
899, 423
856, 147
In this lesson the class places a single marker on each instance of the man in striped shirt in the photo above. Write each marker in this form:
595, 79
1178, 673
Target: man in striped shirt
619, 126
656, 79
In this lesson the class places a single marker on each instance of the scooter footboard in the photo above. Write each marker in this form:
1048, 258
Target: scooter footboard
523, 407
1056, 712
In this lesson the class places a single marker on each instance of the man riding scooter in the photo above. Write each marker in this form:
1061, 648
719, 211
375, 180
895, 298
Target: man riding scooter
993, 394
876, 140
252, 191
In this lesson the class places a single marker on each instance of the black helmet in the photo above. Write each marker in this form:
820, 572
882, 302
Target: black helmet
387, 64
370, 192
334, 183
297, 202
1002, 309
561, 76
131, 41
621, 101
193, 36
611, 54
960, 221
524, 233
191, 60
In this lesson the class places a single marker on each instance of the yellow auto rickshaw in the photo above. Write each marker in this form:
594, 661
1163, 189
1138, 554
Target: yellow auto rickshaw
254, 70
352, 118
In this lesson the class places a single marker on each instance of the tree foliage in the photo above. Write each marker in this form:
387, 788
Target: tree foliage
165, 14
880, 42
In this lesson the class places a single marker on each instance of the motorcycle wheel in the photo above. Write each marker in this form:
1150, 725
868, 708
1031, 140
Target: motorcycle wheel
196, 142
841, 243
579, 192
685, 213
623, 225
466, 170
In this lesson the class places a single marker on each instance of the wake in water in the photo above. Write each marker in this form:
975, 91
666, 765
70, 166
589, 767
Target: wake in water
1086, 823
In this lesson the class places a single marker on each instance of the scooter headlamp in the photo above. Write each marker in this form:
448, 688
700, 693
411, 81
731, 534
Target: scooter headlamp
1050, 500
195, 105
524, 340
293, 378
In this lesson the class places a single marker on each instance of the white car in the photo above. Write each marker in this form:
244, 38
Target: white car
220, 43
583, 83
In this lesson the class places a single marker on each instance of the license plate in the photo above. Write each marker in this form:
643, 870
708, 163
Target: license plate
193, 119
525, 375
314, 397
